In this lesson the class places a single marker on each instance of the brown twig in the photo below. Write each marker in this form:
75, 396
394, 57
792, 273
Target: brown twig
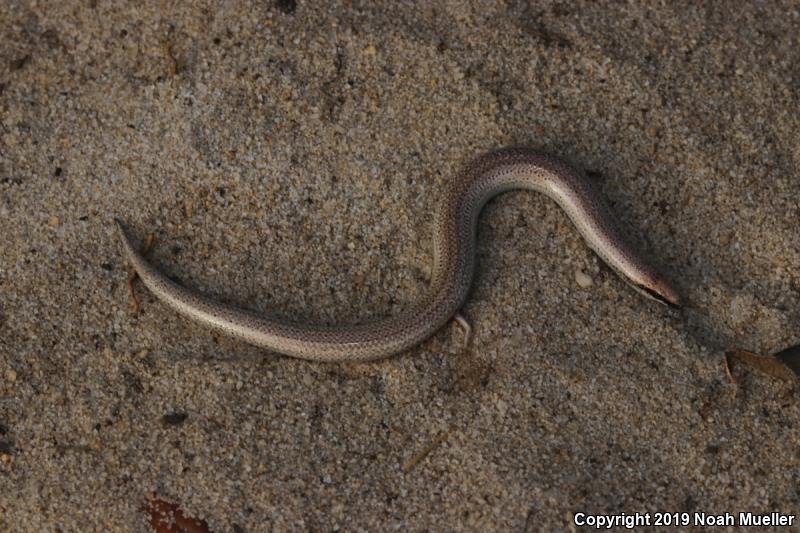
172, 63
424, 452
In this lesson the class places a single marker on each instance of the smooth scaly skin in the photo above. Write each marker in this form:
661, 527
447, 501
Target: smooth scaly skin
454, 263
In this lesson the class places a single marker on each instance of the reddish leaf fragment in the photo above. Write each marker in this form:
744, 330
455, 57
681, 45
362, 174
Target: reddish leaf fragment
166, 517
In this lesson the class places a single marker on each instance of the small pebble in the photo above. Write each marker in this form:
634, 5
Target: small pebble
584, 281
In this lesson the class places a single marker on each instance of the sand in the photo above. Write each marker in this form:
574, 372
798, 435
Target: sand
288, 158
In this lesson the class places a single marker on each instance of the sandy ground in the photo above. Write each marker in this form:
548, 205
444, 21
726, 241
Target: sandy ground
288, 158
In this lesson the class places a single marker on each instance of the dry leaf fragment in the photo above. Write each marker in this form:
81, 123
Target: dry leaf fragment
767, 364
